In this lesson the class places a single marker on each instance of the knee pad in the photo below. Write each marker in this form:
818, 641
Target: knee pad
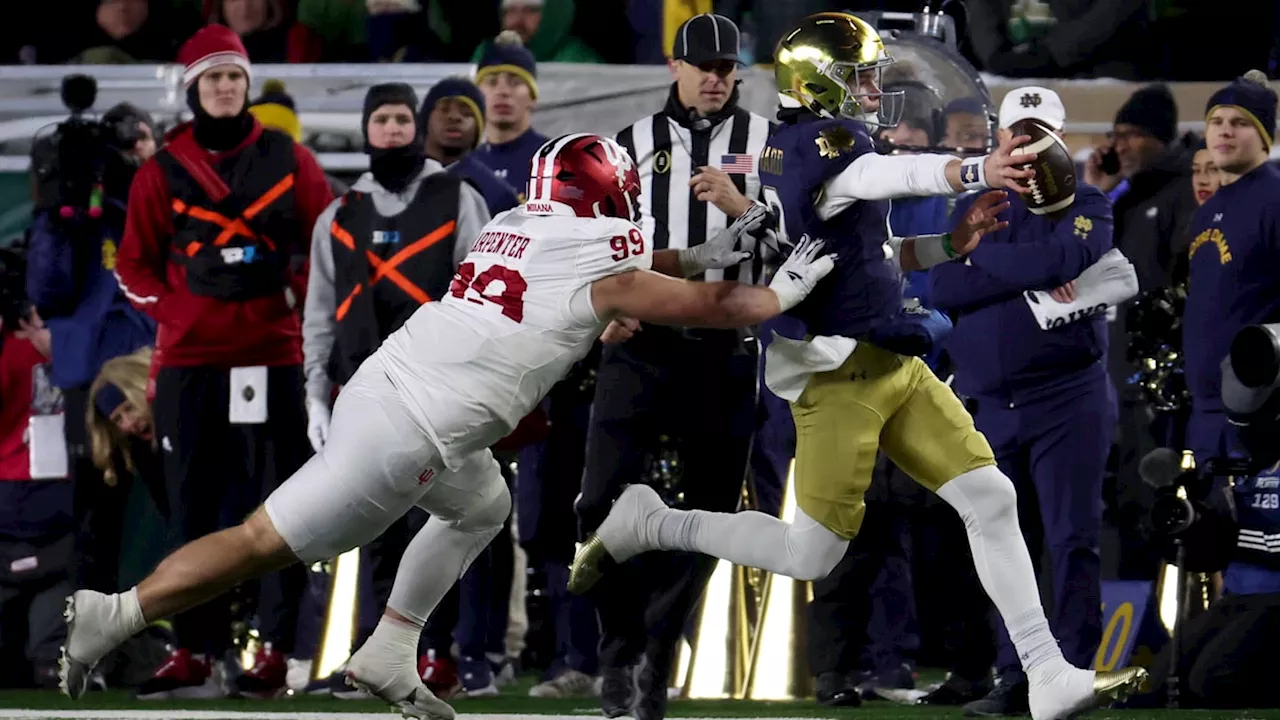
815, 551
491, 509
982, 496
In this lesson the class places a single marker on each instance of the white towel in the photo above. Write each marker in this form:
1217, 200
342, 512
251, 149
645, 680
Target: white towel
1103, 285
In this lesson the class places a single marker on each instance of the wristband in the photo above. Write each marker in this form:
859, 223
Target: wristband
973, 173
946, 246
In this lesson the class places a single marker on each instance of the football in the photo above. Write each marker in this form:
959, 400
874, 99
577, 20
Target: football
1054, 186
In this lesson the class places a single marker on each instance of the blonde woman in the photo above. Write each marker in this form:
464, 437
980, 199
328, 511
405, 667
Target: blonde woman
122, 446
118, 414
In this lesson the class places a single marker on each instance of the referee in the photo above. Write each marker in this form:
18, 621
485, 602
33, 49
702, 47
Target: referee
697, 387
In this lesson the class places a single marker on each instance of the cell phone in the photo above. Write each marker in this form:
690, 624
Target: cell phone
1110, 164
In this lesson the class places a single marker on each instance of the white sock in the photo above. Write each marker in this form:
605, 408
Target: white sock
396, 634
802, 549
128, 609
988, 504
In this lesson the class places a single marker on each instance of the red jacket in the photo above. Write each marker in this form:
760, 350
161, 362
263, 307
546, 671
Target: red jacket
196, 330
18, 361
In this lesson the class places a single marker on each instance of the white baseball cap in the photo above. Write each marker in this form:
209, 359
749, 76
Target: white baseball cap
1033, 101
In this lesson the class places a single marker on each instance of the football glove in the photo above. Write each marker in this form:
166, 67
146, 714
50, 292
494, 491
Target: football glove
800, 273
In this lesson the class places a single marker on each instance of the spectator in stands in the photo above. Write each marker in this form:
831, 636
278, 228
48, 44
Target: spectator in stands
1059, 38
126, 31
967, 126
403, 200
81, 316
267, 29
35, 501
1145, 168
508, 77
453, 115
229, 391
342, 26
433, 31
1041, 397
544, 26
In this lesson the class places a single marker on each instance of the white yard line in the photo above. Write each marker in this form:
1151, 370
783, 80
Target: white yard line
233, 715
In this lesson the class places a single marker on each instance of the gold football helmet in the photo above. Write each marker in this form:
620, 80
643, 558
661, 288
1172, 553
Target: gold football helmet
831, 64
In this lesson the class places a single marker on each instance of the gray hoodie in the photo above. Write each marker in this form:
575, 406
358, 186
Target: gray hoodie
318, 323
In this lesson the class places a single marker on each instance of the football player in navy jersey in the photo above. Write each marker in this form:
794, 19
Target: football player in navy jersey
853, 382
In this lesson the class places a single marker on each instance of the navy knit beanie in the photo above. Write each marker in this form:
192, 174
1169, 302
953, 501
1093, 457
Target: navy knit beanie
1251, 94
507, 53
1153, 109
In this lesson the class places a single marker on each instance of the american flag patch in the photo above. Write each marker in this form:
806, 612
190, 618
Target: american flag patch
737, 164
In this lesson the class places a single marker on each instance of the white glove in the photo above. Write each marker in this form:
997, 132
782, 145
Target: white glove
318, 417
801, 272
721, 251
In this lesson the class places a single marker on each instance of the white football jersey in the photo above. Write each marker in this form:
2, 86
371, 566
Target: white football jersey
516, 319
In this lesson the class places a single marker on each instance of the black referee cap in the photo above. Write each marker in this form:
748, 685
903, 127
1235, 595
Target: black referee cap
706, 38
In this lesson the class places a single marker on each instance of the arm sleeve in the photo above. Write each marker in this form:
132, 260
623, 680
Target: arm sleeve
473, 215
884, 177
142, 259
1076, 241
318, 321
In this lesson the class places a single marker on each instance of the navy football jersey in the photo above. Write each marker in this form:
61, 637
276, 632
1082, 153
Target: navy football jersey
864, 291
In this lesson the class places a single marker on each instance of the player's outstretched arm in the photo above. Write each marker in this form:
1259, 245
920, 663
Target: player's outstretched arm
651, 297
884, 177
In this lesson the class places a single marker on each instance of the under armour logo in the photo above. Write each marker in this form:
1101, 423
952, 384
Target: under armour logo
1217, 217
1031, 100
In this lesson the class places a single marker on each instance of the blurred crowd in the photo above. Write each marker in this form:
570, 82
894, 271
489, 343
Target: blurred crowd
185, 308
1130, 39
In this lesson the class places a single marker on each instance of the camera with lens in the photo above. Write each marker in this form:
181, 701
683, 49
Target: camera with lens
1154, 323
76, 163
1191, 508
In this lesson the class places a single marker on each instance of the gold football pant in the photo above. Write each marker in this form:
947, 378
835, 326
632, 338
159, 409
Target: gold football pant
877, 399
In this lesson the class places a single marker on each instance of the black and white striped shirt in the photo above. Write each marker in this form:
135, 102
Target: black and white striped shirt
668, 150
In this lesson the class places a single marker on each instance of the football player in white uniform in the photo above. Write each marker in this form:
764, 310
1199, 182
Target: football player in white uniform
413, 425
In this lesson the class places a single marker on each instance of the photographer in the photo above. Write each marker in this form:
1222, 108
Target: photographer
81, 318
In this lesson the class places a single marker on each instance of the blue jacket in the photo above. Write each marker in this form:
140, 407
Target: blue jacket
498, 194
96, 322
999, 350
920, 216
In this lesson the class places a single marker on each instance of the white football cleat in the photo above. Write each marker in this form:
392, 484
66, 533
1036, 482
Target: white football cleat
95, 627
620, 537
1072, 692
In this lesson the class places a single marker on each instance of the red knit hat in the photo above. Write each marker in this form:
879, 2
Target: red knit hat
211, 45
